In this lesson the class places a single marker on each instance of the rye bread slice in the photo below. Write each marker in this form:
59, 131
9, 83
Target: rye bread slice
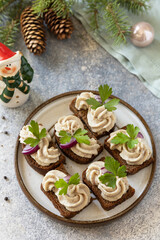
68, 152
107, 205
130, 169
53, 198
82, 114
43, 169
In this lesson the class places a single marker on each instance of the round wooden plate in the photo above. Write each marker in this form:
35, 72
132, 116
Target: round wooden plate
29, 180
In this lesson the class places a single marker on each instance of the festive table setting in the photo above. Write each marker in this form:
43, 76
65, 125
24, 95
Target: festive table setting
79, 113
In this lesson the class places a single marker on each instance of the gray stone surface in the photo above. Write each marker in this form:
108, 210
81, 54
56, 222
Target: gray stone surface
78, 63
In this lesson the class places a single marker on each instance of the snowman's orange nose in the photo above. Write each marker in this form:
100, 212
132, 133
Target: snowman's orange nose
7, 68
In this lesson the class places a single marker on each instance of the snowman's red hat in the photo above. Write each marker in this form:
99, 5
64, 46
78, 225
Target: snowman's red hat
7, 56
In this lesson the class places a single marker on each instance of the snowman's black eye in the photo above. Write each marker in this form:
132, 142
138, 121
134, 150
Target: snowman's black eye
9, 64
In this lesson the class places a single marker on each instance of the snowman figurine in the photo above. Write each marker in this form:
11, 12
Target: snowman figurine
14, 70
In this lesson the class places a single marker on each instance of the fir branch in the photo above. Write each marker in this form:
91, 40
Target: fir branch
108, 13
116, 22
135, 6
8, 32
61, 7
41, 6
93, 10
9, 20
5, 4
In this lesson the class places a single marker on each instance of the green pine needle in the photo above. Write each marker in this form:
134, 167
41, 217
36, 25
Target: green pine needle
106, 13
10, 11
135, 6
117, 24
8, 32
61, 7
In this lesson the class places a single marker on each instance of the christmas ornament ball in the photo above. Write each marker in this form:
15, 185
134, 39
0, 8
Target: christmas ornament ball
142, 34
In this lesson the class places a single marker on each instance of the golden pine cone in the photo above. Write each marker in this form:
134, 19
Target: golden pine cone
33, 31
62, 27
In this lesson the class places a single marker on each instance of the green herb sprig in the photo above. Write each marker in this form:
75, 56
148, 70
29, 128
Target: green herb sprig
34, 129
75, 179
79, 135
130, 140
104, 92
114, 168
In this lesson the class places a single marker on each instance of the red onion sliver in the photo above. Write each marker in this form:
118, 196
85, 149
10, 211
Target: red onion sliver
140, 135
66, 178
72, 143
28, 150
98, 98
104, 170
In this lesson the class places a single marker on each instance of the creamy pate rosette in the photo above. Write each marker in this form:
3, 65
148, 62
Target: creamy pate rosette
94, 171
77, 196
100, 116
81, 103
70, 124
100, 120
45, 155
137, 155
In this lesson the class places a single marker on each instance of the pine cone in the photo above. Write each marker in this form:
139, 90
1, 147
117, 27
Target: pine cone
62, 27
33, 31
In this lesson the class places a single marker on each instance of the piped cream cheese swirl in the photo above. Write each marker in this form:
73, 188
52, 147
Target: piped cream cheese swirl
94, 172
77, 197
50, 178
111, 194
25, 133
45, 155
69, 124
81, 100
135, 156
100, 120
86, 151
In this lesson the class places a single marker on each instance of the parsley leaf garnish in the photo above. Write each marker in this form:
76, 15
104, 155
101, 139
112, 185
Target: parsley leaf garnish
65, 137
79, 135
105, 92
112, 166
62, 184
94, 103
75, 179
130, 140
110, 105
34, 129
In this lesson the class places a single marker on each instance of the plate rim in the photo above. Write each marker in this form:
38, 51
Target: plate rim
71, 221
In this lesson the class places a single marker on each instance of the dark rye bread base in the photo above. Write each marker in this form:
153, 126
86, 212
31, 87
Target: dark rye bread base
107, 205
43, 169
82, 114
53, 198
130, 169
77, 158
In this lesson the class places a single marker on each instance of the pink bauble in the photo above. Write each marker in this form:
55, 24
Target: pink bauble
142, 34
